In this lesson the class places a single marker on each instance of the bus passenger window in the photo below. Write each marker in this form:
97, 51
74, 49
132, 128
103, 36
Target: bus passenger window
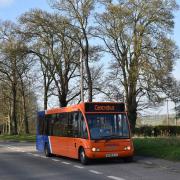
76, 124
41, 122
70, 124
84, 133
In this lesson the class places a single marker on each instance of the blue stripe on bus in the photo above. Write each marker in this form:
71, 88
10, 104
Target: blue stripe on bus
41, 140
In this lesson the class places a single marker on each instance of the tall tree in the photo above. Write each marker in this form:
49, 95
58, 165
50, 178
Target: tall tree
136, 34
79, 12
57, 53
12, 55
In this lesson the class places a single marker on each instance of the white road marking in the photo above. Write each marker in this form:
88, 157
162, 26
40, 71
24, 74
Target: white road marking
18, 150
30, 153
80, 167
36, 155
148, 162
65, 162
55, 160
10, 148
44, 157
95, 172
115, 178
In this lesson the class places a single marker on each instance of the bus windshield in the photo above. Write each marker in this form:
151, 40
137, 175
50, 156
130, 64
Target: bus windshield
108, 126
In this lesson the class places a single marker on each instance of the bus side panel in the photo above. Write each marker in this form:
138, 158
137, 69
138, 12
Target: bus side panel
59, 145
41, 140
64, 146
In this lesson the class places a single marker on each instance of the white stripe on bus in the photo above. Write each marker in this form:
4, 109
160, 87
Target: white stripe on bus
50, 144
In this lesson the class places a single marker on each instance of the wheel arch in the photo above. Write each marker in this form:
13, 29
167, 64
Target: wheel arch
79, 149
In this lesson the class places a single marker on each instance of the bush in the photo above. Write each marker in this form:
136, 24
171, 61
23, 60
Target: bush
158, 131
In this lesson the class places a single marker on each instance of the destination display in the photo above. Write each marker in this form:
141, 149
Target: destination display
103, 107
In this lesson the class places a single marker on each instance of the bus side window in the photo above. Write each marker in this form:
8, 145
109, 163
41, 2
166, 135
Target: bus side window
83, 128
59, 126
70, 124
52, 125
76, 124
40, 125
46, 125
64, 122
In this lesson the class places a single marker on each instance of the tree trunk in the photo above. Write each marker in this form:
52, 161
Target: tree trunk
25, 114
89, 81
132, 111
10, 128
14, 118
88, 72
45, 94
62, 101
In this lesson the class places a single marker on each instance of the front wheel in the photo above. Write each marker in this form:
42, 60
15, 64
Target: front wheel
82, 156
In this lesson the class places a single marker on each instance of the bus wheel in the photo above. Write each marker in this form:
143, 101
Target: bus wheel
47, 151
82, 156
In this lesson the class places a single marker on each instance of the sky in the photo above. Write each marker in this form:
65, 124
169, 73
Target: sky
176, 37
12, 9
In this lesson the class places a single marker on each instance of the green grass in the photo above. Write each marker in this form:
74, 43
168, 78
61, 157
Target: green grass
165, 148
29, 138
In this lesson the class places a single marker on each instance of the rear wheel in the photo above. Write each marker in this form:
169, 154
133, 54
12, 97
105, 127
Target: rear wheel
47, 151
82, 157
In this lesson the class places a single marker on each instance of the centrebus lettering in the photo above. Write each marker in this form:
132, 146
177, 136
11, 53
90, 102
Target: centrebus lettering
104, 108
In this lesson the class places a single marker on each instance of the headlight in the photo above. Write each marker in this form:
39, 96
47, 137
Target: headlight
95, 149
127, 148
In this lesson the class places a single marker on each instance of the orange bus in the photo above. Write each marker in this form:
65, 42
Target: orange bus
85, 131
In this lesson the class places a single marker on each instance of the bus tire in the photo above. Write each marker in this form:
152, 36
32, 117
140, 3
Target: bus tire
128, 159
47, 150
82, 157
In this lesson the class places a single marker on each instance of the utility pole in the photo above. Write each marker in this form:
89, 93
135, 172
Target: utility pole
167, 112
175, 114
81, 73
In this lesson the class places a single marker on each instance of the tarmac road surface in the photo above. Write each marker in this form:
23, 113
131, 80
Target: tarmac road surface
20, 161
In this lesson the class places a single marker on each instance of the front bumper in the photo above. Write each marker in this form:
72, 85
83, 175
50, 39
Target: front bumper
103, 154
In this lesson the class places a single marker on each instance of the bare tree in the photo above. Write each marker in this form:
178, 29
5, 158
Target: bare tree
13, 65
79, 12
57, 52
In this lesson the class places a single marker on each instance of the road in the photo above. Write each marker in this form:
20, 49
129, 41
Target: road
20, 161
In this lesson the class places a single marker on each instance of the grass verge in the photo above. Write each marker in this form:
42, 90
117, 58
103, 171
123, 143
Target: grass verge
29, 138
165, 148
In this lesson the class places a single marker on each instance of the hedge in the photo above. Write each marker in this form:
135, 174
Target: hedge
158, 131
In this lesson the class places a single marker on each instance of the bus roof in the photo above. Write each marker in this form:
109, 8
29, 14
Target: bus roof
91, 107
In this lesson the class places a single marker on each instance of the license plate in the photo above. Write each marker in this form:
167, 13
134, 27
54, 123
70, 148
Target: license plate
112, 155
